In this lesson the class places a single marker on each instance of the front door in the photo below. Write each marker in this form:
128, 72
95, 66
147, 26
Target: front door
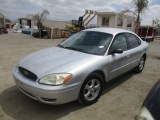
118, 62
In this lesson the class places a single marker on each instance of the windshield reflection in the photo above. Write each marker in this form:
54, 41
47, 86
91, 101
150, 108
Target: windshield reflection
90, 42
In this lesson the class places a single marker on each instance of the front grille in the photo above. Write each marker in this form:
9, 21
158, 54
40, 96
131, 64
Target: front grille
28, 74
28, 93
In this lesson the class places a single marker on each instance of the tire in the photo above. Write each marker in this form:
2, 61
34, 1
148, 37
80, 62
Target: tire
140, 67
91, 89
70, 29
45, 36
36, 34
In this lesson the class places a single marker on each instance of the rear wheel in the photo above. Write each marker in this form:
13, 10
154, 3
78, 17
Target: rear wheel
91, 89
140, 67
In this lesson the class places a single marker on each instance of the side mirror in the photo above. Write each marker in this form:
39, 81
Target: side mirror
119, 51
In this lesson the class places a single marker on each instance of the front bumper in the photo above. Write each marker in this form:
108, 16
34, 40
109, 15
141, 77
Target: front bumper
45, 93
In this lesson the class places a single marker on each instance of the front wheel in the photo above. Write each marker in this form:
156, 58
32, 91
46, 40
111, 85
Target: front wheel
140, 67
152, 39
91, 89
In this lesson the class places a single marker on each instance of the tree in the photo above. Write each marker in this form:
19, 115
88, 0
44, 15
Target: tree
140, 7
39, 17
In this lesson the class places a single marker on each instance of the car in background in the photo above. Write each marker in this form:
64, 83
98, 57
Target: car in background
78, 68
3, 30
151, 107
147, 33
43, 34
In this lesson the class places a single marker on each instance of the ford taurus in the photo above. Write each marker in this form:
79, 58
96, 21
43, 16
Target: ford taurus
78, 67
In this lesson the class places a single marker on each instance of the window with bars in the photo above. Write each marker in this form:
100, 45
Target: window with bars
105, 21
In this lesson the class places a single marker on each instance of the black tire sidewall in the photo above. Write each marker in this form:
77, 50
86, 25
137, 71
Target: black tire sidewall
81, 94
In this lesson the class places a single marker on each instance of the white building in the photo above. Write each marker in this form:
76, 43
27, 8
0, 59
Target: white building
24, 22
2, 20
115, 20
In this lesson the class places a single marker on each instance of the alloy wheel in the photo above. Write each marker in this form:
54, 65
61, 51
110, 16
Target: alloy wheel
92, 89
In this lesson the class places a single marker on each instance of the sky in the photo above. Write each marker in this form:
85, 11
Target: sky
66, 10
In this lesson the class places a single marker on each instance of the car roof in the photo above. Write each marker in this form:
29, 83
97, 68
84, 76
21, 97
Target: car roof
113, 31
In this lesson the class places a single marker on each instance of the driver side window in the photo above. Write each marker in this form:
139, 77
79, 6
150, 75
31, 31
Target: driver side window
119, 42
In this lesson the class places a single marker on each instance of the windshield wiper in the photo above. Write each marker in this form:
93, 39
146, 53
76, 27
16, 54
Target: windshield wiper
80, 50
72, 48
60, 46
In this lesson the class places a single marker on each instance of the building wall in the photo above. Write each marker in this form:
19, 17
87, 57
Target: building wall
55, 24
2, 20
99, 21
112, 21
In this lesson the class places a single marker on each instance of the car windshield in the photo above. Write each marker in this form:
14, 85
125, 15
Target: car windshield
90, 42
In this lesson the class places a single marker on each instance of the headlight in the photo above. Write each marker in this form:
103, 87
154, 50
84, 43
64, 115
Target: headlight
144, 114
55, 79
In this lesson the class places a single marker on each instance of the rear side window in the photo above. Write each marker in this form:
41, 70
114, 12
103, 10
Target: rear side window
133, 40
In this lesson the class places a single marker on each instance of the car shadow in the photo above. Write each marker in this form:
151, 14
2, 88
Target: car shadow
117, 81
20, 107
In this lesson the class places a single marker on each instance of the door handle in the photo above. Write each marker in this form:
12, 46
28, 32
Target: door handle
128, 56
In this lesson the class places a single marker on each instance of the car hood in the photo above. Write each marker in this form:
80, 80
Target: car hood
54, 60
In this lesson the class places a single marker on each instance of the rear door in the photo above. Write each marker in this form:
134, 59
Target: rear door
135, 50
118, 63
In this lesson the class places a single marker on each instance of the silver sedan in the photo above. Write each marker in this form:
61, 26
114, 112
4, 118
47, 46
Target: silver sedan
78, 68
